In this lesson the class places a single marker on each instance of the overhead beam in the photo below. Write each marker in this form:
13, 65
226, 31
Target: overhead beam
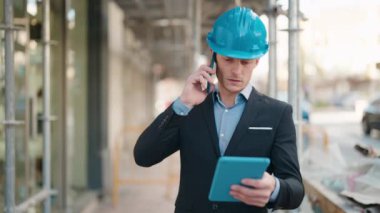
153, 13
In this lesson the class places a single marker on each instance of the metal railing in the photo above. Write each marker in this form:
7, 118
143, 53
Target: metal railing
170, 179
34, 200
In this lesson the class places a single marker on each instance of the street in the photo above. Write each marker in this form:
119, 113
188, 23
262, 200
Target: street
344, 128
334, 166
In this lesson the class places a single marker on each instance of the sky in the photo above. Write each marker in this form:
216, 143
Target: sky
339, 38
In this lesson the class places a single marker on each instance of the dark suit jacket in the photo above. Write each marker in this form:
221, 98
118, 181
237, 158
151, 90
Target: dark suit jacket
196, 137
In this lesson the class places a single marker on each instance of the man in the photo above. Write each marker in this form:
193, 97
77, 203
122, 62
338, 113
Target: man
233, 120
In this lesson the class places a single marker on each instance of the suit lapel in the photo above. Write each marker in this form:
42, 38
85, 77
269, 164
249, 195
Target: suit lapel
208, 111
250, 113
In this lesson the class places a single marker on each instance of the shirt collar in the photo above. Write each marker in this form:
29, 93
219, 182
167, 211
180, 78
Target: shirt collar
246, 92
242, 97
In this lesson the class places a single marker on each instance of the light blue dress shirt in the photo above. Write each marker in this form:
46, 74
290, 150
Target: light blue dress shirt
226, 120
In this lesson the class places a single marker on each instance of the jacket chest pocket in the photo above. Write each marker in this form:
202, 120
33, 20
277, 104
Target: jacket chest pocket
256, 143
257, 131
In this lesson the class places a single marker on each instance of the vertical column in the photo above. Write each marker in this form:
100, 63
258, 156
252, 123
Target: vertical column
97, 87
9, 109
272, 75
189, 32
46, 104
294, 72
62, 146
197, 30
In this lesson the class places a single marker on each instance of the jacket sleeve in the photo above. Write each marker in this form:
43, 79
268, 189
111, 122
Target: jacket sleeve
285, 164
159, 140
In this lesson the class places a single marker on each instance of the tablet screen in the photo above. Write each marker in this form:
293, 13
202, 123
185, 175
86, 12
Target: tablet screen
230, 171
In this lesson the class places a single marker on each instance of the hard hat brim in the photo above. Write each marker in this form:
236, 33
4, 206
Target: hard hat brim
236, 54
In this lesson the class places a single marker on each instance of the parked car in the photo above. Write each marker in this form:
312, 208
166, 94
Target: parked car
371, 117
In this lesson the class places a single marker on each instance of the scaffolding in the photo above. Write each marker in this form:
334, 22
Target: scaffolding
10, 123
272, 75
46, 109
294, 81
9, 109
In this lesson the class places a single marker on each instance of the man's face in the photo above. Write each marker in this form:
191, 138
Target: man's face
234, 74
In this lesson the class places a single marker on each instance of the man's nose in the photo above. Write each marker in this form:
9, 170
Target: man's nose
238, 67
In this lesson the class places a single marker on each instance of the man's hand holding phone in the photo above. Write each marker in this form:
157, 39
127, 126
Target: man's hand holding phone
194, 91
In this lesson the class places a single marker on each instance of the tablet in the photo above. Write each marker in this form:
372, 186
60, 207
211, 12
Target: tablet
230, 171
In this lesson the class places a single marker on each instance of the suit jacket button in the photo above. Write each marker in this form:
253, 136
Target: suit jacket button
214, 206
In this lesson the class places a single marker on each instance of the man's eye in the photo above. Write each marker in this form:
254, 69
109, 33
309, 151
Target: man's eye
247, 62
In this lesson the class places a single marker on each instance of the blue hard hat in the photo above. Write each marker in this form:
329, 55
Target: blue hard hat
238, 33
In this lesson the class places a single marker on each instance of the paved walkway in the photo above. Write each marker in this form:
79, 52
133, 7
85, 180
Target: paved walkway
154, 189
146, 190
149, 190
141, 199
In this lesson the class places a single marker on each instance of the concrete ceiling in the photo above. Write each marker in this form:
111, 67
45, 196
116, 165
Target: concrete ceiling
167, 27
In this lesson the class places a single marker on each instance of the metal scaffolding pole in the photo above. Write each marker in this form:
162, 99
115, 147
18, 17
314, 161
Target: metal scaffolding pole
272, 75
198, 27
46, 104
294, 72
189, 33
9, 109
33, 200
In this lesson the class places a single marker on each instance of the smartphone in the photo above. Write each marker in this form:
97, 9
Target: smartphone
212, 64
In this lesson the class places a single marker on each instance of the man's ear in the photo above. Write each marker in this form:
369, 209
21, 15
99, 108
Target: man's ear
257, 61
211, 51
